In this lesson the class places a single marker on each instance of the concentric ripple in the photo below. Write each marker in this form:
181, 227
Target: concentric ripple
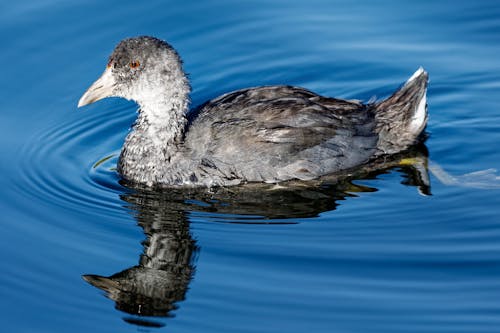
383, 259
72, 165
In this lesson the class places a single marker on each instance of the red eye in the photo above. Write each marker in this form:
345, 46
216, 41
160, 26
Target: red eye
134, 64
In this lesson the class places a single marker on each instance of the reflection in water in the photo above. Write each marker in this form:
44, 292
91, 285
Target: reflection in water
165, 268
160, 280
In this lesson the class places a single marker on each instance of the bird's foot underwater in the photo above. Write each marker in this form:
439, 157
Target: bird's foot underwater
482, 179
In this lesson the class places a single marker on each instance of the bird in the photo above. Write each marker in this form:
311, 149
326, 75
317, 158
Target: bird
265, 134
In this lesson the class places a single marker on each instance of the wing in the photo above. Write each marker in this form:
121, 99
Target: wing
280, 132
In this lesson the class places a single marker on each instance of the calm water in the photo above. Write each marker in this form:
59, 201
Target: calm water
81, 253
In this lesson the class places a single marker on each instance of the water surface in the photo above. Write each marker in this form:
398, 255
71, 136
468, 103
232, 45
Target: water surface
83, 253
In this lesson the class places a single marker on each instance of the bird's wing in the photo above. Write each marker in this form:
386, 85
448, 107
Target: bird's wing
281, 132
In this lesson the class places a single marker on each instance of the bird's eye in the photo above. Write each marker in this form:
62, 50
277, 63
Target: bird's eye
135, 64
110, 63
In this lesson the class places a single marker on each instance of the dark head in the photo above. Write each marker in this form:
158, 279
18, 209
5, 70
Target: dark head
144, 69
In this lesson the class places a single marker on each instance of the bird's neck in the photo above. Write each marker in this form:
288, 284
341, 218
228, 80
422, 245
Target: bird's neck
162, 119
164, 103
155, 139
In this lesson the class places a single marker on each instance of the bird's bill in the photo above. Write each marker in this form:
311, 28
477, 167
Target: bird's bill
100, 89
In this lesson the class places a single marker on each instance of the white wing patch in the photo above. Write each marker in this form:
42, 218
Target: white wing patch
420, 116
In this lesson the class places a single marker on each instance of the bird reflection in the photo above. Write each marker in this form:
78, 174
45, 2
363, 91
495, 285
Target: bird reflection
166, 265
153, 288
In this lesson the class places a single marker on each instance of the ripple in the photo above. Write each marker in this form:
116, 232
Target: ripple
390, 261
64, 166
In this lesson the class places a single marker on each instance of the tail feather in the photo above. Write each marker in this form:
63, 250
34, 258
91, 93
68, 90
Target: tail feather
402, 117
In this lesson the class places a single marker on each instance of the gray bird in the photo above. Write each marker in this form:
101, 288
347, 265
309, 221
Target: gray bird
265, 134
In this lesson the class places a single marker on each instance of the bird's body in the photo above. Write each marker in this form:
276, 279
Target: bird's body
264, 134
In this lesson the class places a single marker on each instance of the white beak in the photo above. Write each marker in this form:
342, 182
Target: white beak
100, 89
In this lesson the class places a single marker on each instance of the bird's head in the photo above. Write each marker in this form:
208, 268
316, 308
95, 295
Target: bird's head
140, 69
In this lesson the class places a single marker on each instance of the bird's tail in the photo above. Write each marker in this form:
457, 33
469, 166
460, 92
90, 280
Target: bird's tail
402, 117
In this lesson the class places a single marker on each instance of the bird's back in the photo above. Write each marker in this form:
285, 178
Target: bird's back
278, 133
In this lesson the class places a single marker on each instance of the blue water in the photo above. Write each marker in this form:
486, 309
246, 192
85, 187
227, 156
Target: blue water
374, 255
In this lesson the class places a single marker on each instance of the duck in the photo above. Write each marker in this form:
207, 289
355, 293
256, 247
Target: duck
265, 134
